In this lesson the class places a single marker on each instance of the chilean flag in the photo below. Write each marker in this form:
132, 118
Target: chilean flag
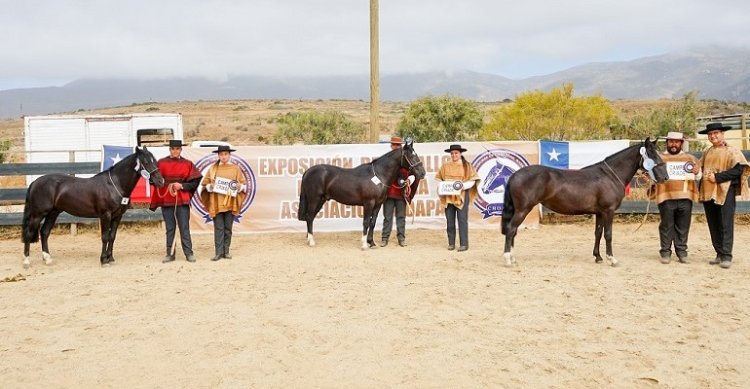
575, 155
113, 154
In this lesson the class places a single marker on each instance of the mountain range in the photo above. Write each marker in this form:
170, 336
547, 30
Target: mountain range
714, 72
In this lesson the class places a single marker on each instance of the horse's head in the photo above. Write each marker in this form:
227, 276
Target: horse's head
652, 163
410, 159
148, 168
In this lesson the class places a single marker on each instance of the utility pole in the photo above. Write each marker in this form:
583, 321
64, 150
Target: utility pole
374, 74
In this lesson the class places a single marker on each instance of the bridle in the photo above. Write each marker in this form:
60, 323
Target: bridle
412, 165
648, 164
143, 171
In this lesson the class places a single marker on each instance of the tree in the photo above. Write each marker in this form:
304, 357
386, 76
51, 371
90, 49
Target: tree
681, 115
553, 115
443, 118
318, 128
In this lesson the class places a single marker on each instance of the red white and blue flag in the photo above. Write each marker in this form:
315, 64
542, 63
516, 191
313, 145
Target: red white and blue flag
113, 154
575, 155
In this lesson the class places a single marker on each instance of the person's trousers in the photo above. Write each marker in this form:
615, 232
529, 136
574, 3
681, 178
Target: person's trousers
674, 226
451, 214
389, 206
178, 217
223, 232
720, 219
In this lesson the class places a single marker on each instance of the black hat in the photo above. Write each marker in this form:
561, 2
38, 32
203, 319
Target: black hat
455, 147
176, 143
223, 148
713, 127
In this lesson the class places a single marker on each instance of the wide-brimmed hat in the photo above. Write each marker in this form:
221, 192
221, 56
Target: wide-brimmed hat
223, 148
674, 135
455, 147
713, 127
396, 140
176, 143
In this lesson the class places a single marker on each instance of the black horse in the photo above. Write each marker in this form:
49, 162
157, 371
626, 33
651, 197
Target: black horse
365, 185
105, 196
596, 189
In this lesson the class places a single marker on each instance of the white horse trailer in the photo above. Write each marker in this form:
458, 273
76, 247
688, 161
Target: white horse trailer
79, 138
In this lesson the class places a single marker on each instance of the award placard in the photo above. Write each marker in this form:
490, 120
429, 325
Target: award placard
450, 188
226, 186
680, 171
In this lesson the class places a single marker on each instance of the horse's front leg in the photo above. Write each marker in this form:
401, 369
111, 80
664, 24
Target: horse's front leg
608, 219
371, 230
598, 238
104, 226
366, 221
112, 236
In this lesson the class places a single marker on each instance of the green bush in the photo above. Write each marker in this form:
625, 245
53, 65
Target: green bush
681, 115
441, 119
4, 147
318, 128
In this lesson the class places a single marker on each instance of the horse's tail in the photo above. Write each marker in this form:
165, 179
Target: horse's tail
29, 233
302, 209
508, 209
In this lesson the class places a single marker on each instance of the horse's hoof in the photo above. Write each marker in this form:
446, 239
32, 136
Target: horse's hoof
509, 260
47, 258
106, 264
26, 263
598, 260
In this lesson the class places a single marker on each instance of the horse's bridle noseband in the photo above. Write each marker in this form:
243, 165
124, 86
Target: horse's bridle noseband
648, 164
411, 165
143, 168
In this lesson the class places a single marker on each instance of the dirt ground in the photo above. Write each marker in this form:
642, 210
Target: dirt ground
283, 314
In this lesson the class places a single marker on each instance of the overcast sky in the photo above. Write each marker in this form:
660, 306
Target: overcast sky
50, 42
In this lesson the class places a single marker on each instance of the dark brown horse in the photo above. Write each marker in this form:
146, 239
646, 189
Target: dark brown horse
105, 196
364, 185
597, 189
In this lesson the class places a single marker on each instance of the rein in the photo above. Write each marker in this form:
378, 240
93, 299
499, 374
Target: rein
614, 174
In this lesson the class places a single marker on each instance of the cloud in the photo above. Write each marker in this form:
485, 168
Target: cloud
51, 40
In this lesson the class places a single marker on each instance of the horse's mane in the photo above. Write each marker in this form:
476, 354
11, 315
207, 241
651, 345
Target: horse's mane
125, 160
382, 156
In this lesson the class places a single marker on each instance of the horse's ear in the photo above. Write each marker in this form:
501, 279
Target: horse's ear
409, 141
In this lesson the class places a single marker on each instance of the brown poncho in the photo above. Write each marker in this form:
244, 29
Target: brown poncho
218, 202
460, 170
719, 159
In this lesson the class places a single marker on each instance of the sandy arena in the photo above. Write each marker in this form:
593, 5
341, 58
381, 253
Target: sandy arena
281, 314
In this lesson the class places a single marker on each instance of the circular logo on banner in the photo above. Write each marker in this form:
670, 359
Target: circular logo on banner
494, 168
458, 185
204, 164
689, 167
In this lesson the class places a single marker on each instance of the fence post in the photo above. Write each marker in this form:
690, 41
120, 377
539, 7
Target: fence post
73, 226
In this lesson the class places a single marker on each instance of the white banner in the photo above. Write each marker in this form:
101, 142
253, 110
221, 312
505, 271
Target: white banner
274, 175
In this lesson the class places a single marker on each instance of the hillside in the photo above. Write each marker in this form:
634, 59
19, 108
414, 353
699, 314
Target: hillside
253, 122
713, 72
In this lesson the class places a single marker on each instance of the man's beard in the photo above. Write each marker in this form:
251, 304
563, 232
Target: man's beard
673, 150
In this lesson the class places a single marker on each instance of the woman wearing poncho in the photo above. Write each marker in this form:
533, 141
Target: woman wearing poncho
457, 203
224, 190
